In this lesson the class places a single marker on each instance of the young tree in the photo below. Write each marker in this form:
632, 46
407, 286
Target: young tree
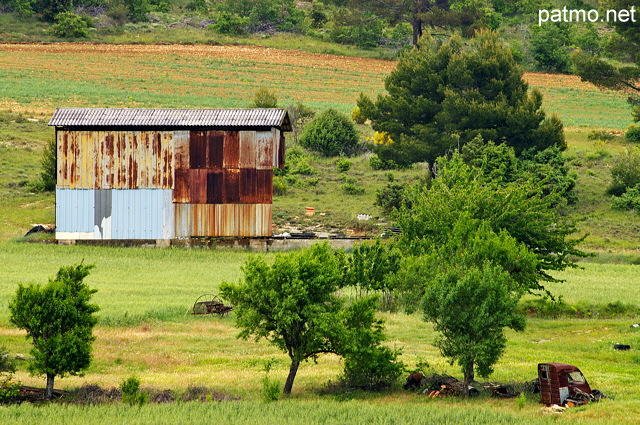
291, 303
59, 320
443, 96
473, 283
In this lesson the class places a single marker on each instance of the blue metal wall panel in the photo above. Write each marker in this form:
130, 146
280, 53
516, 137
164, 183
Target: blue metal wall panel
74, 210
142, 214
116, 214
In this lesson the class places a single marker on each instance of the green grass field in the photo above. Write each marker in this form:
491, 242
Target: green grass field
145, 293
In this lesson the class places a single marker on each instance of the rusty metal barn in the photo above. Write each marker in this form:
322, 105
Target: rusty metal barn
166, 173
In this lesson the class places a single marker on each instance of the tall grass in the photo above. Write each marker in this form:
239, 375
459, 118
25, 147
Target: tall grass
282, 413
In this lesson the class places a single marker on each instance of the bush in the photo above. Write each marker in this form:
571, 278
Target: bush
331, 133
343, 164
230, 23
367, 363
633, 134
279, 186
301, 166
8, 389
270, 387
630, 200
131, 393
365, 35
357, 116
625, 173
48, 175
70, 25
390, 197
138, 10
603, 135
264, 98
352, 189
377, 163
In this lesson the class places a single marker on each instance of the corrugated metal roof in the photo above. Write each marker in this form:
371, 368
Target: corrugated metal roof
171, 118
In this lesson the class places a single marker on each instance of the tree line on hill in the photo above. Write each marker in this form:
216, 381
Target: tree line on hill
365, 23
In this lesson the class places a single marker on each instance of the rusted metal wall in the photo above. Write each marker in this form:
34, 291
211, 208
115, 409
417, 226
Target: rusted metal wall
219, 183
242, 220
115, 159
225, 167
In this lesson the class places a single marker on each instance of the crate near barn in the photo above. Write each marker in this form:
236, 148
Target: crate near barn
157, 174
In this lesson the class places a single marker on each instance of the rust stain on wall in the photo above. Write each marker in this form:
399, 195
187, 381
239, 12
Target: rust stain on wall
115, 159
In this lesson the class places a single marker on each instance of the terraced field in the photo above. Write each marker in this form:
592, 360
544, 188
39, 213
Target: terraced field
40, 77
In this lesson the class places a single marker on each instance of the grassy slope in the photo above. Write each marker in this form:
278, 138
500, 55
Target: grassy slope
36, 78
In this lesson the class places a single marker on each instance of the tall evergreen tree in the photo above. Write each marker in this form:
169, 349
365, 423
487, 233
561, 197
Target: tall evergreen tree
444, 95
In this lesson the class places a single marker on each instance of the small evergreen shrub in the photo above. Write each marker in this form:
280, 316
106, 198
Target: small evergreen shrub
629, 200
70, 25
343, 164
330, 134
352, 189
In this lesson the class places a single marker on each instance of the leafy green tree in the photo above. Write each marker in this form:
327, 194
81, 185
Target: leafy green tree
291, 303
330, 133
59, 320
521, 208
444, 95
499, 163
471, 294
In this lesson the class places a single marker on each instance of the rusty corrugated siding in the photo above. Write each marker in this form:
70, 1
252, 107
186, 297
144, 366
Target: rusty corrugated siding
231, 160
171, 118
231, 150
215, 149
115, 159
240, 220
247, 156
248, 186
264, 150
